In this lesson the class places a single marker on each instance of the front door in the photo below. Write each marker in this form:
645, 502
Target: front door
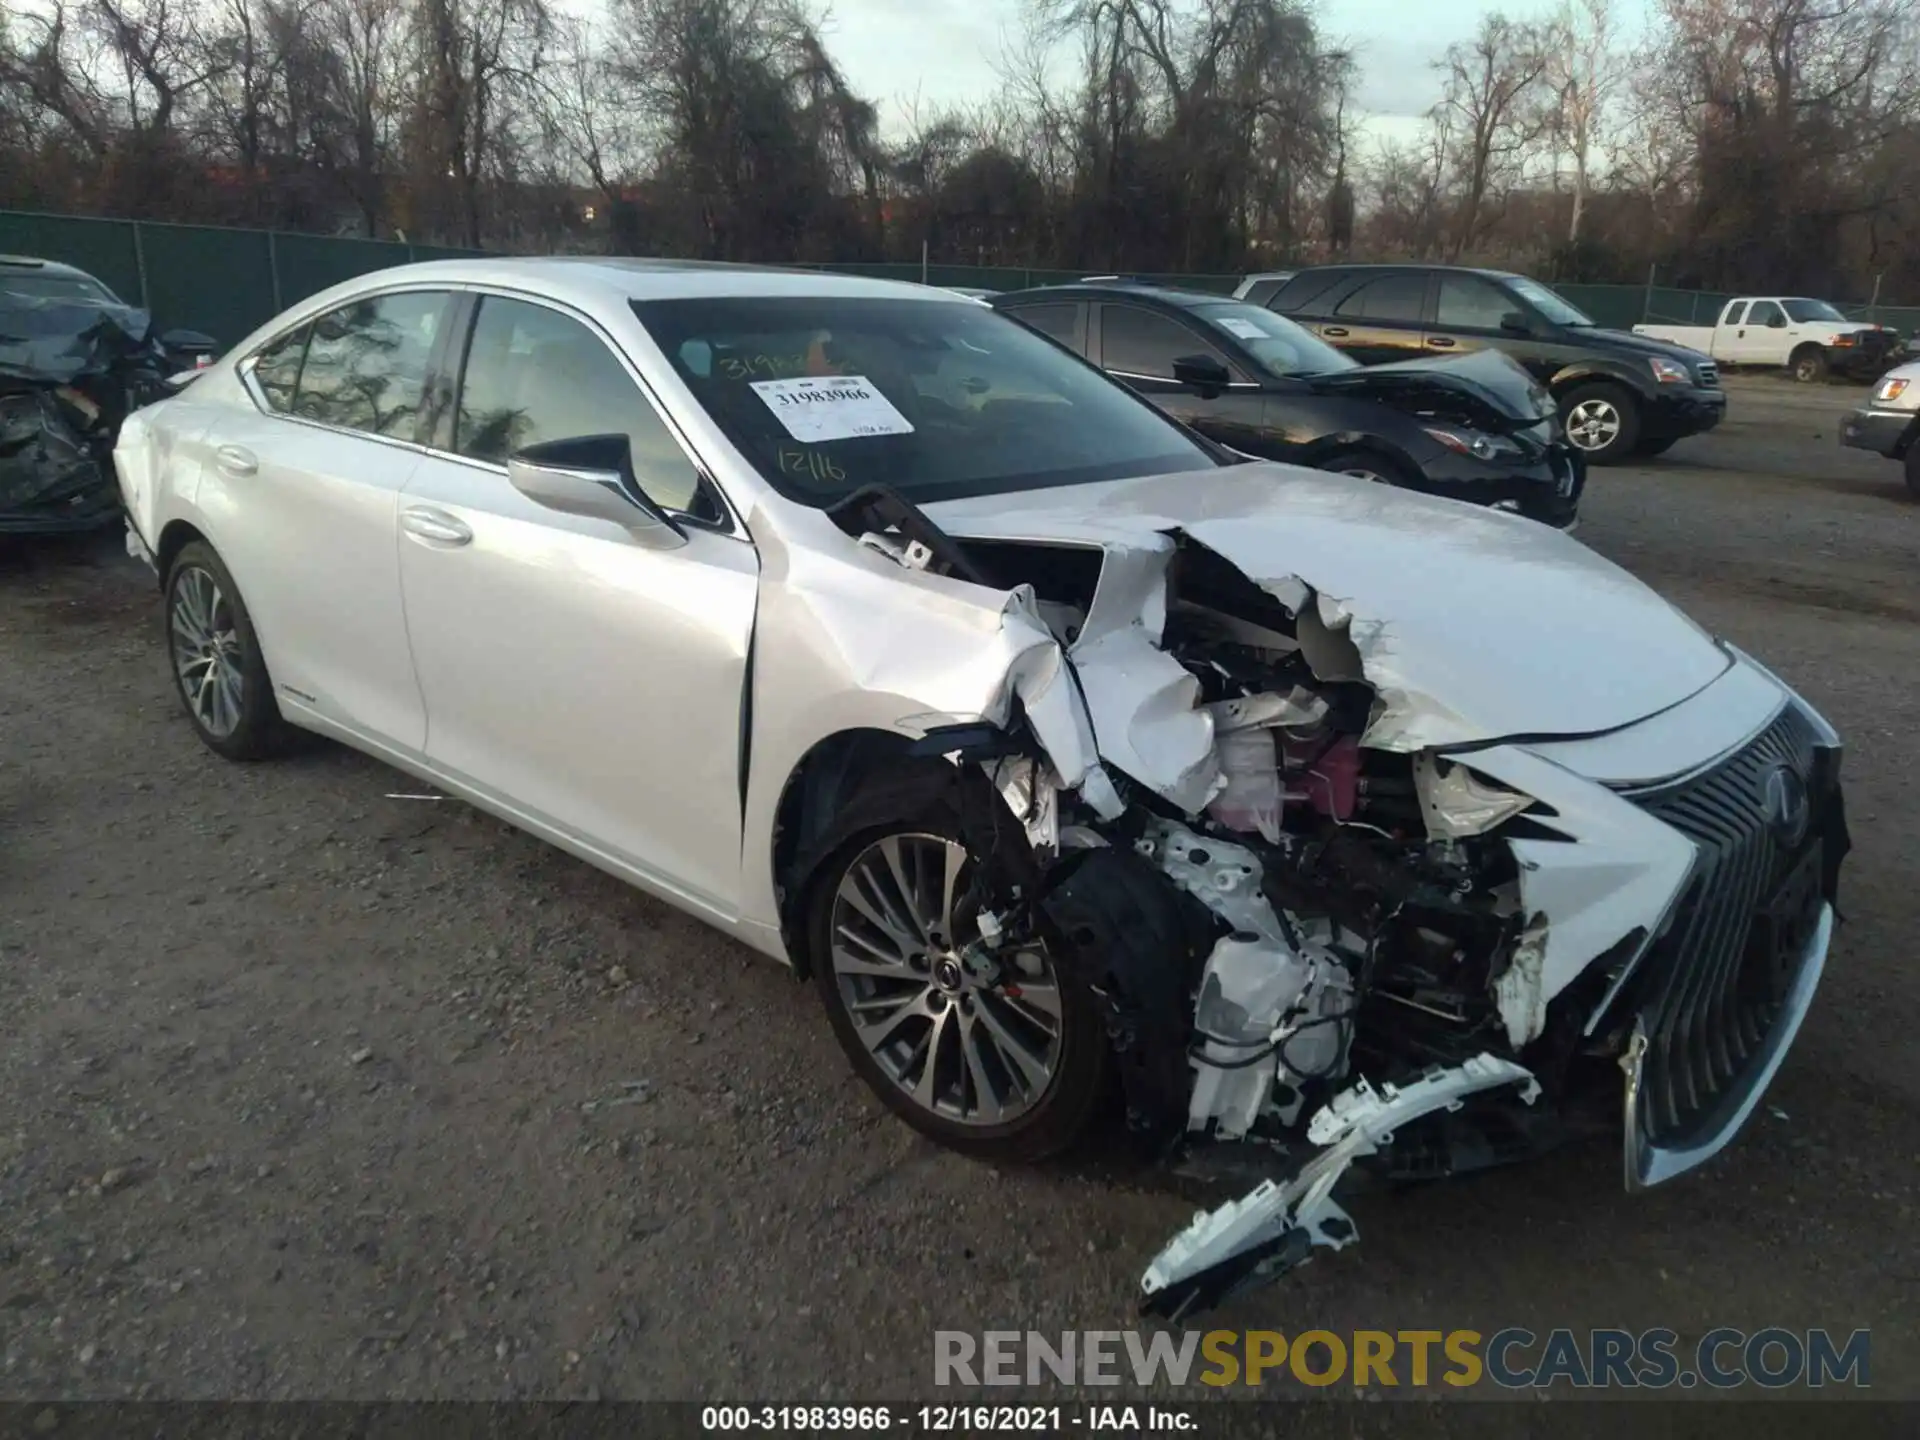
1138, 347
590, 683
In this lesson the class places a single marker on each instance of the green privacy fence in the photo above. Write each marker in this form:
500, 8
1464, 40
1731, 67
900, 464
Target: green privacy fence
225, 282
203, 277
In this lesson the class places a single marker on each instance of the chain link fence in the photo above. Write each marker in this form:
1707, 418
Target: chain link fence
225, 282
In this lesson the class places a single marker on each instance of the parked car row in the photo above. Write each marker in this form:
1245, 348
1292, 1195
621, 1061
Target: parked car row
1065, 747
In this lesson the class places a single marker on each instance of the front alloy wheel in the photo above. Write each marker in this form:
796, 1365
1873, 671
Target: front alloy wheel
1593, 424
972, 1041
1602, 421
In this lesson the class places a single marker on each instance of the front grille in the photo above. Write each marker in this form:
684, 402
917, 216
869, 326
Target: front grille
1716, 981
1709, 374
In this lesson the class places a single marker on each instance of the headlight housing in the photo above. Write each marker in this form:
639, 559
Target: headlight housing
1891, 388
1472, 442
1670, 372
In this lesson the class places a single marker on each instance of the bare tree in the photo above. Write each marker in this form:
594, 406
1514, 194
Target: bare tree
1584, 68
1493, 104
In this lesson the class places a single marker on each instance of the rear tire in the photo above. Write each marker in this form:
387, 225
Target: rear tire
1602, 421
1369, 465
1808, 364
983, 1069
218, 670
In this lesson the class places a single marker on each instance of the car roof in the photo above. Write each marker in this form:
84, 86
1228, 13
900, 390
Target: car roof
1131, 289
1388, 267
44, 267
638, 278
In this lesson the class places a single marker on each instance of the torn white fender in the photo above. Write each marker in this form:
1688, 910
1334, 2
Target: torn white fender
1275, 1228
1455, 803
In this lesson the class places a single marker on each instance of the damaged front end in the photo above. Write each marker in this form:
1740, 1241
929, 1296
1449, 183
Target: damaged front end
70, 373
1328, 931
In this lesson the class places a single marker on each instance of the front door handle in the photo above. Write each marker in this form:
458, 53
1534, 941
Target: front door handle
1335, 332
435, 525
235, 460
1439, 342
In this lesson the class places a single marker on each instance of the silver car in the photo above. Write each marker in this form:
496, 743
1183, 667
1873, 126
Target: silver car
1063, 750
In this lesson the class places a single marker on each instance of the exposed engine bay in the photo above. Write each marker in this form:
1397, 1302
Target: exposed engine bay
1318, 941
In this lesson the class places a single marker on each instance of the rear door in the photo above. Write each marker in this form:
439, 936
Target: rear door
588, 683
1138, 347
301, 498
1381, 319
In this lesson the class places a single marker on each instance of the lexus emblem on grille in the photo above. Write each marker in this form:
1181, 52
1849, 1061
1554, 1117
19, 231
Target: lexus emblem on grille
1787, 810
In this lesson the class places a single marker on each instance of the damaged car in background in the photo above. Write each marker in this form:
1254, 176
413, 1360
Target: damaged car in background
74, 361
1066, 752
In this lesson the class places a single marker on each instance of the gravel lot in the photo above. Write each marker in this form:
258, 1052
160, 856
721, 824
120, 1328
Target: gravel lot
312, 1091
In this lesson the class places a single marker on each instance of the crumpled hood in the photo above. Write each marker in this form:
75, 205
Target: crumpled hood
1501, 394
1471, 625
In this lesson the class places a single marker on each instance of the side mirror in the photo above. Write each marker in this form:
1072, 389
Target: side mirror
593, 476
1515, 323
1202, 374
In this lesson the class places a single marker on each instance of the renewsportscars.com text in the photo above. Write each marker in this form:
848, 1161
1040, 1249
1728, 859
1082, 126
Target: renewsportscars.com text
1513, 1358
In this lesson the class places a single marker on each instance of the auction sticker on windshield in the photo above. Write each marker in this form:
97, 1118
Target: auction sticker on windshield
831, 407
1245, 329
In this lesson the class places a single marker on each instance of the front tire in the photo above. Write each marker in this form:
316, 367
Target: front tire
218, 670
1602, 421
1006, 1069
1808, 364
1368, 465
1647, 449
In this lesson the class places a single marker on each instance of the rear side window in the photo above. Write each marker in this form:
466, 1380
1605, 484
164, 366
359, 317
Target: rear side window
1140, 342
1303, 293
1261, 291
366, 365
276, 370
1393, 298
1736, 313
1057, 322
534, 374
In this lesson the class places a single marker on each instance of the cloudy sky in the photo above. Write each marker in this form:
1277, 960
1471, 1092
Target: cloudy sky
945, 50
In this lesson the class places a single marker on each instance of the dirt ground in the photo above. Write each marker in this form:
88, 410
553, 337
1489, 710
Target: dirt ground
311, 1091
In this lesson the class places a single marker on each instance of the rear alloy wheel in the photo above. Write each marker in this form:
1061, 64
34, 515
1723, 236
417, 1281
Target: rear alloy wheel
1602, 421
217, 668
1809, 364
996, 1054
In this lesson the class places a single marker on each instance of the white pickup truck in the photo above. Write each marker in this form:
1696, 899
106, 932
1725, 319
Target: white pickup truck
1807, 337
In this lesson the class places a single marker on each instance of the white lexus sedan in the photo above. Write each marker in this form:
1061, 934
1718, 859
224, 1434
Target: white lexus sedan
1060, 748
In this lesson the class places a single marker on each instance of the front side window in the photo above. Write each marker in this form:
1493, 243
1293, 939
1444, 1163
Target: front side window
1467, 303
1396, 299
535, 374
825, 394
366, 365
1139, 342
1765, 312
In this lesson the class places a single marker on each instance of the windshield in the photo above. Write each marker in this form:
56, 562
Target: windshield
1811, 310
1276, 342
936, 399
42, 285
1548, 302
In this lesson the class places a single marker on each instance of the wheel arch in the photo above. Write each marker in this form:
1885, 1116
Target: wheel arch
819, 784
1588, 373
174, 537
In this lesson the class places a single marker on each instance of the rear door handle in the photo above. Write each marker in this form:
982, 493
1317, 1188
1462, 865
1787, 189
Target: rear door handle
1439, 342
435, 525
1335, 332
235, 460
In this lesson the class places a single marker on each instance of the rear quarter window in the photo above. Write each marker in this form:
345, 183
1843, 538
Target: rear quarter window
1303, 293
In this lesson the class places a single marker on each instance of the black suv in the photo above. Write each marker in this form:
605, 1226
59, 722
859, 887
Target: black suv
1619, 394
1477, 429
